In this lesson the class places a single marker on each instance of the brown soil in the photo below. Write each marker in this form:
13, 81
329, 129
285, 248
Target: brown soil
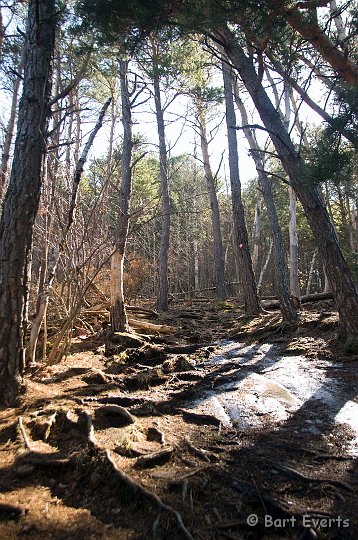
61, 479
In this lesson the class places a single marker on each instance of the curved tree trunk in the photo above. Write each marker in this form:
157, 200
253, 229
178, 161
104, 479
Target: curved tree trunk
23, 194
289, 314
119, 322
162, 295
247, 277
219, 262
340, 278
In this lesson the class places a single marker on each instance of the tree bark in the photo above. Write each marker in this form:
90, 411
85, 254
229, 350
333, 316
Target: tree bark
119, 321
23, 194
247, 277
339, 275
219, 263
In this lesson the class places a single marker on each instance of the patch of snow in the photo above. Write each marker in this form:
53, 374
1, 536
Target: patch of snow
266, 386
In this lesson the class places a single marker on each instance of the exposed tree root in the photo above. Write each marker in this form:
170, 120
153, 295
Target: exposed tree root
90, 429
180, 479
10, 512
134, 486
42, 459
202, 454
292, 473
117, 410
152, 497
157, 458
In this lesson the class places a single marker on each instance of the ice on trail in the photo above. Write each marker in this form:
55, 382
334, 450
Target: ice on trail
256, 386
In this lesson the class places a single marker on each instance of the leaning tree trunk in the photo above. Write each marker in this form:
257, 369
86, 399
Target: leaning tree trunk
219, 262
23, 194
119, 322
162, 294
289, 314
340, 278
247, 277
310, 30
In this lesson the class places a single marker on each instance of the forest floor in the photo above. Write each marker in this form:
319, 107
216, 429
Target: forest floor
225, 428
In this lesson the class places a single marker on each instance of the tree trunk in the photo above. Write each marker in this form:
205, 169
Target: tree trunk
289, 314
10, 127
23, 194
219, 263
195, 241
119, 322
247, 277
1, 33
264, 268
338, 21
339, 275
310, 273
294, 283
162, 294
256, 233
312, 32
356, 226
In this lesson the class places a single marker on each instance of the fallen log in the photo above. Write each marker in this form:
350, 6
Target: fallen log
150, 327
317, 297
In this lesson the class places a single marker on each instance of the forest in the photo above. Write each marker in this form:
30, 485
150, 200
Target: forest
178, 269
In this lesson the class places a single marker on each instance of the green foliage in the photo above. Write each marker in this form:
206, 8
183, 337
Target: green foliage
330, 159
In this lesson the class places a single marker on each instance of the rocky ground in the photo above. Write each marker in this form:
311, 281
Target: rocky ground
224, 428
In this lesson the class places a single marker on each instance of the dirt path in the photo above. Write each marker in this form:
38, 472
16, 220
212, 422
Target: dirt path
195, 445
